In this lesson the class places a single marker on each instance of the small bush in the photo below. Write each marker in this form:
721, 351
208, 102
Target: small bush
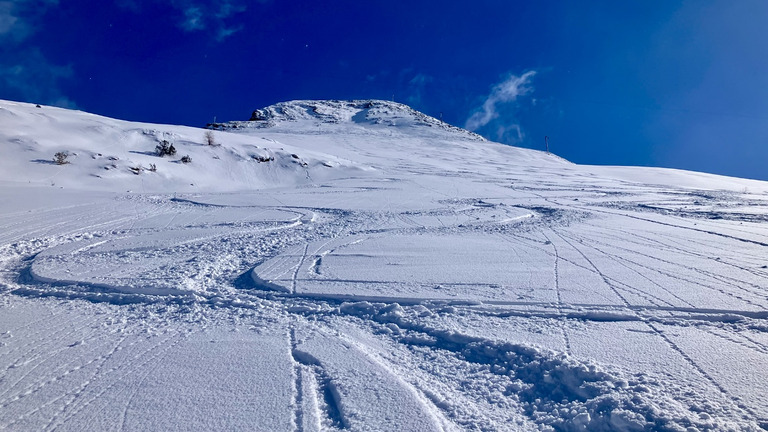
165, 148
210, 139
263, 158
186, 159
152, 167
162, 148
60, 158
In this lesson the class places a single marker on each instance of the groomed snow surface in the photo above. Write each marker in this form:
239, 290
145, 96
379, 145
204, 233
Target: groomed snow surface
360, 266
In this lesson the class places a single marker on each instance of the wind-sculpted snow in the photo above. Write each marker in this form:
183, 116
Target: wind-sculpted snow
431, 282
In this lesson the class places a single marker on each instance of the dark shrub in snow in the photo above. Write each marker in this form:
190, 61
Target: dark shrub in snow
165, 148
60, 158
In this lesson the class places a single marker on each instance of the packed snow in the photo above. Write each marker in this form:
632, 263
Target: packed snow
358, 265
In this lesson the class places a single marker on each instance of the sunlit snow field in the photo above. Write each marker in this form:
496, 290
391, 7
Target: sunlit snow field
383, 271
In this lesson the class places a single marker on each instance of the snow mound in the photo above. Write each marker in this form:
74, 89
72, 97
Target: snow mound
364, 113
114, 155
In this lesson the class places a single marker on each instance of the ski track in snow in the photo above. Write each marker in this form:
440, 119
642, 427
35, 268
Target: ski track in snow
456, 285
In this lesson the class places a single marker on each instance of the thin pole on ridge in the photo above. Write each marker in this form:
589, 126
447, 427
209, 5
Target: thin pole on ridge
546, 143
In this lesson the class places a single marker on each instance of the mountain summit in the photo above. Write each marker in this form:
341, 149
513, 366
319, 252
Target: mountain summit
369, 113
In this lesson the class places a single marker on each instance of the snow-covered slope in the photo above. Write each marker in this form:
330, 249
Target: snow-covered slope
107, 154
395, 274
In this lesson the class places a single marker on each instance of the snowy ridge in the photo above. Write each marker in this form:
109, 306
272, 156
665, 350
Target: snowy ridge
364, 113
108, 154
425, 280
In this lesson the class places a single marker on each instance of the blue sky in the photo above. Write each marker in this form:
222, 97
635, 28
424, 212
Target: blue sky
680, 84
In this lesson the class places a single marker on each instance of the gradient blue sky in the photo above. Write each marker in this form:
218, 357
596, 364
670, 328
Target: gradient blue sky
680, 84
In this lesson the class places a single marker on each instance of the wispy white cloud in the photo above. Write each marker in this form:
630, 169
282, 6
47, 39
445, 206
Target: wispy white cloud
25, 72
17, 18
225, 32
378, 76
505, 92
192, 19
509, 133
10, 24
30, 77
416, 88
227, 9
213, 16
